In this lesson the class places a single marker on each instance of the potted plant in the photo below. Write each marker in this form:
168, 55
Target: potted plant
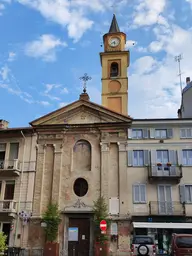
100, 210
169, 164
3, 246
159, 164
51, 219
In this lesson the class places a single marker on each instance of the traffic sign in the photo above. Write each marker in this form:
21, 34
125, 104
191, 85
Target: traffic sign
103, 225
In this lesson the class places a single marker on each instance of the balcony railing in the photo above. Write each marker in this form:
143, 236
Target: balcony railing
8, 206
10, 164
164, 171
14, 167
166, 208
10, 167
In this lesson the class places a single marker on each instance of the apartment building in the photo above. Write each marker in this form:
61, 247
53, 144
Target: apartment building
159, 176
17, 173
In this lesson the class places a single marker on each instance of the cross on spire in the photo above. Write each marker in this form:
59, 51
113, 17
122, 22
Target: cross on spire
85, 78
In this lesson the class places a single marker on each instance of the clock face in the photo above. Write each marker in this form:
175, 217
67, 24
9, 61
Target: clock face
114, 41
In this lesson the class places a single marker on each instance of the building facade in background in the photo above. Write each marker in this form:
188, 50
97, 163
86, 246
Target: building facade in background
17, 174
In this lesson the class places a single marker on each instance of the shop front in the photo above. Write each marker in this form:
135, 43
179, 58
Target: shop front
162, 231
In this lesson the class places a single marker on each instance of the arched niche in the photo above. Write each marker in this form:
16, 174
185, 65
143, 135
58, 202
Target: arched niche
82, 156
114, 70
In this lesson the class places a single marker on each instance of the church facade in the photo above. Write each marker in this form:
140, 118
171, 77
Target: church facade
82, 154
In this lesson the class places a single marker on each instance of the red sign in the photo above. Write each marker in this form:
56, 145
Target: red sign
103, 225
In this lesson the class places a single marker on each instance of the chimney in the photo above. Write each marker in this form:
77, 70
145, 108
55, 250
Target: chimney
3, 124
188, 80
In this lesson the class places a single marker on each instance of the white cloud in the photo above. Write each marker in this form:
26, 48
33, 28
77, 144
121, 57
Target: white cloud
155, 46
3, 5
68, 14
149, 12
154, 83
190, 2
45, 47
64, 90
44, 103
4, 73
12, 56
49, 87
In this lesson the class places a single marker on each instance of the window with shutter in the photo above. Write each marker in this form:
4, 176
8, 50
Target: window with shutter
182, 193
130, 133
145, 133
139, 193
130, 158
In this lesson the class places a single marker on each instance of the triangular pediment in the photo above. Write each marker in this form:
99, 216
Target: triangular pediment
81, 112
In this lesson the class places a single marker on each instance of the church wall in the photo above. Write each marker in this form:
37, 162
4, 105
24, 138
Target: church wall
113, 171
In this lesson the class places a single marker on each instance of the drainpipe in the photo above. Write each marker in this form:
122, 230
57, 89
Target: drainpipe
20, 185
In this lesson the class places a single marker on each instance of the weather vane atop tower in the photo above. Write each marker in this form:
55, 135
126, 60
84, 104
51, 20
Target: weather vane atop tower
85, 78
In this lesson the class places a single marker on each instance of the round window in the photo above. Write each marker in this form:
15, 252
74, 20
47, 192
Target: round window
80, 187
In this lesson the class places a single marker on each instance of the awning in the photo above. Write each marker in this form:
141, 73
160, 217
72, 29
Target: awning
166, 225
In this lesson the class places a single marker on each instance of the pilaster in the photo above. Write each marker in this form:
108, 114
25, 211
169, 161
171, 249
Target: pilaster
38, 193
105, 146
123, 195
56, 181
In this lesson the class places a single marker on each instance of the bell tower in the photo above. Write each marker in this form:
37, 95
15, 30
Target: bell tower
114, 62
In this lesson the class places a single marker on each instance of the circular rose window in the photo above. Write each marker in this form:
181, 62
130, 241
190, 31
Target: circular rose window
80, 187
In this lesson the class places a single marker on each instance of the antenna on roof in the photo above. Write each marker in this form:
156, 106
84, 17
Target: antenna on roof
178, 59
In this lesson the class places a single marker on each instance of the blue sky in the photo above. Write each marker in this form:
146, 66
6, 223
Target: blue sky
46, 45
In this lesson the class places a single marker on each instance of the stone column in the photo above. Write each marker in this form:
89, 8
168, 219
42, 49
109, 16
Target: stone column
38, 191
56, 181
104, 170
123, 195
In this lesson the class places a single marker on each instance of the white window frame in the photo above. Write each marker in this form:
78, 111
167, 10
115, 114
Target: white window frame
136, 131
190, 189
138, 164
185, 131
186, 164
160, 137
133, 191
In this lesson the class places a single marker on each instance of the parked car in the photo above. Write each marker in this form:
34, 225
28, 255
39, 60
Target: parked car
143, 246
181, 245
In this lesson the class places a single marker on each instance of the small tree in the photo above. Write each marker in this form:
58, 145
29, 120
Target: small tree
52, 219
100, 213
3, 238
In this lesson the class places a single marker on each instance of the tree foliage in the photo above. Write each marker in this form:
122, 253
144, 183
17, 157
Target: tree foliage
52, 219
3, 238
100, 213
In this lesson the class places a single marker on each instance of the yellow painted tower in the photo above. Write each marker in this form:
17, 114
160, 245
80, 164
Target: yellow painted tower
115, 61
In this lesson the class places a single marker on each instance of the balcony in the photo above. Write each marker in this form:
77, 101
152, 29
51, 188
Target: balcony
8, 206
166, 208
165, 172
9, 168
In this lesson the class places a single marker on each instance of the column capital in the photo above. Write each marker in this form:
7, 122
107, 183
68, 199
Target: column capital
105, 146
122, 146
